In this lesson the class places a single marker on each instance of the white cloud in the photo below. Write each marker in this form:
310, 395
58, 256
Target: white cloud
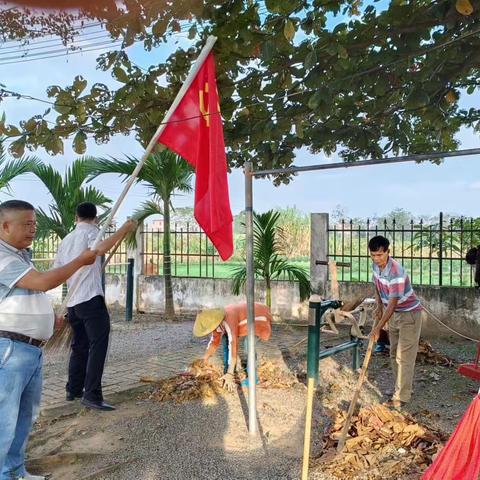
475, 186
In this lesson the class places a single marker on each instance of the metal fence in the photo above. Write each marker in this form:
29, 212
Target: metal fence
433, 253
44, 250
192, 254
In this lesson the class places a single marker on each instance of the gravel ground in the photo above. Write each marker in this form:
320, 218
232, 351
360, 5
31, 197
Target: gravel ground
145, 440
146, 336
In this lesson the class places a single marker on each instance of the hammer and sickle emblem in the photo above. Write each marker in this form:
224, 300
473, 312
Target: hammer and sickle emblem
203, 100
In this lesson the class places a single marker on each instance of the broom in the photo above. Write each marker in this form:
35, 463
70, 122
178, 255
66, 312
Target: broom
61, 340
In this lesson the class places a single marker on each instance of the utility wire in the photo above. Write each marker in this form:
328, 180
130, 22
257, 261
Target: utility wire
83, 50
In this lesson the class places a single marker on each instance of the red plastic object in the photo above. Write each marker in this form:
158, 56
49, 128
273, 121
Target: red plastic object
460, 458
471, 370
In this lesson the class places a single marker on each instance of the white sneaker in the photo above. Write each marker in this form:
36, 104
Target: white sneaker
28, 476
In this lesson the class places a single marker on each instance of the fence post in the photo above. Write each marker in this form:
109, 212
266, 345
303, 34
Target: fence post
318, 251
137, 254
440, 251
129, 296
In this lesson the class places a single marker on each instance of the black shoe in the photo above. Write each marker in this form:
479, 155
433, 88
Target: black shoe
70, 397
101, 405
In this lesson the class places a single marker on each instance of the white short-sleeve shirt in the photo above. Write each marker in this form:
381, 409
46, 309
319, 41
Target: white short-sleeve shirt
72, 246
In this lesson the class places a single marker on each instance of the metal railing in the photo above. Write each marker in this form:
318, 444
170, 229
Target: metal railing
191, 252
433, 253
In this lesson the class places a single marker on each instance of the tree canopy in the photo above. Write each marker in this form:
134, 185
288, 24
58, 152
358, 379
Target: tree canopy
365, 79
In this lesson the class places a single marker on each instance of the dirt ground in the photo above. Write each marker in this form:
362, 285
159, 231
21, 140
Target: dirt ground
147, 440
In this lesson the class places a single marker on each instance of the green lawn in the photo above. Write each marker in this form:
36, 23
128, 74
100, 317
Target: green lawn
455, 273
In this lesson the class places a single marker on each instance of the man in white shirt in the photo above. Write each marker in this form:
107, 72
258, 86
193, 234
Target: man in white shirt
87, 311
26, 323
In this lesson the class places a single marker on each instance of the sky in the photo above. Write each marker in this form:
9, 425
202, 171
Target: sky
424, 189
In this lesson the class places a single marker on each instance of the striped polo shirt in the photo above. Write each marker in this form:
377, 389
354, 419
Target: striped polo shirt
24, 311
82, 238
393, 282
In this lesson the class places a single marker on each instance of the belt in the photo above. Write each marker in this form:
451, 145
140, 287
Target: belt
22, 338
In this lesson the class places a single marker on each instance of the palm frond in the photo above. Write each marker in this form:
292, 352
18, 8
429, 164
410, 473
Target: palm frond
146, 209
67, 192
239, 278
10, 169
164, 173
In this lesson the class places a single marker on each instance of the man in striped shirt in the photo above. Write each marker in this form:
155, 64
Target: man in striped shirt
398, 305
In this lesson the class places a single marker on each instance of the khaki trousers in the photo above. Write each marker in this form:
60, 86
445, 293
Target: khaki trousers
404, 329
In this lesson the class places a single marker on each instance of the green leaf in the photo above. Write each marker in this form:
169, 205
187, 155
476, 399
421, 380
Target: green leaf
289, 30
470, 89
53, 90
30, 125
310, 60
299, 130
120, 74
342, 52
417, 99
192, 32
79, 142
315, 100
17, 148
64, 103
268, 51
12, 131
79, 85
159, 28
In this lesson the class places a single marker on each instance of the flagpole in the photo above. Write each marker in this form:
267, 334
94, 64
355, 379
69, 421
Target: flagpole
188, 81
251, 360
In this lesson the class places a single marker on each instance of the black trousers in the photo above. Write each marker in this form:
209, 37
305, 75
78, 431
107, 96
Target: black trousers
91, 328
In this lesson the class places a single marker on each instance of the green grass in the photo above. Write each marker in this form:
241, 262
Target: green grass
455, 273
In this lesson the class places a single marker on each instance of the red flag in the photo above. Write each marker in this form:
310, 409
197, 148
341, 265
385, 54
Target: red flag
460, 458
195, 132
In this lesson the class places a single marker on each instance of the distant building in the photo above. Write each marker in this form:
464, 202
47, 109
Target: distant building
157, 225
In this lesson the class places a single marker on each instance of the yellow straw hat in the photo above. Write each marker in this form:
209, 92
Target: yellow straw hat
207, 321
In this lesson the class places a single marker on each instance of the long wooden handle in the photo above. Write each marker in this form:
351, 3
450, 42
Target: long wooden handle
112, 253
353, 404
308, 428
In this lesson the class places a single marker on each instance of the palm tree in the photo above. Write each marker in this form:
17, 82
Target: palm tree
67, 192
268, 240
10, 169
164, 173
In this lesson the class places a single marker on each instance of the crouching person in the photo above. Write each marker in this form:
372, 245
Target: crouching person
228, 324
26, 323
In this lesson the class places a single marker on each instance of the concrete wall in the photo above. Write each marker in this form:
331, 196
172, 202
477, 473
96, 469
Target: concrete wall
193, 294
459, 308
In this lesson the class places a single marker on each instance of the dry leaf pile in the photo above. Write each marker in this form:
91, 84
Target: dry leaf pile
426, 354
382, 444
272, 375
200, 381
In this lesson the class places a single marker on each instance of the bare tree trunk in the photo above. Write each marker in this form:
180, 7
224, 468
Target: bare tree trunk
167, 261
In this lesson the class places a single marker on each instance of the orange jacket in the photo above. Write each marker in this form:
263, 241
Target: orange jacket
234, 325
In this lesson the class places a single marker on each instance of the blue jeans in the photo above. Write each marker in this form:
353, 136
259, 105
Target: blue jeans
20, 393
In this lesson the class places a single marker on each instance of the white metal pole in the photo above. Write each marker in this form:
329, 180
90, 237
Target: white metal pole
186, 85
251, 367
